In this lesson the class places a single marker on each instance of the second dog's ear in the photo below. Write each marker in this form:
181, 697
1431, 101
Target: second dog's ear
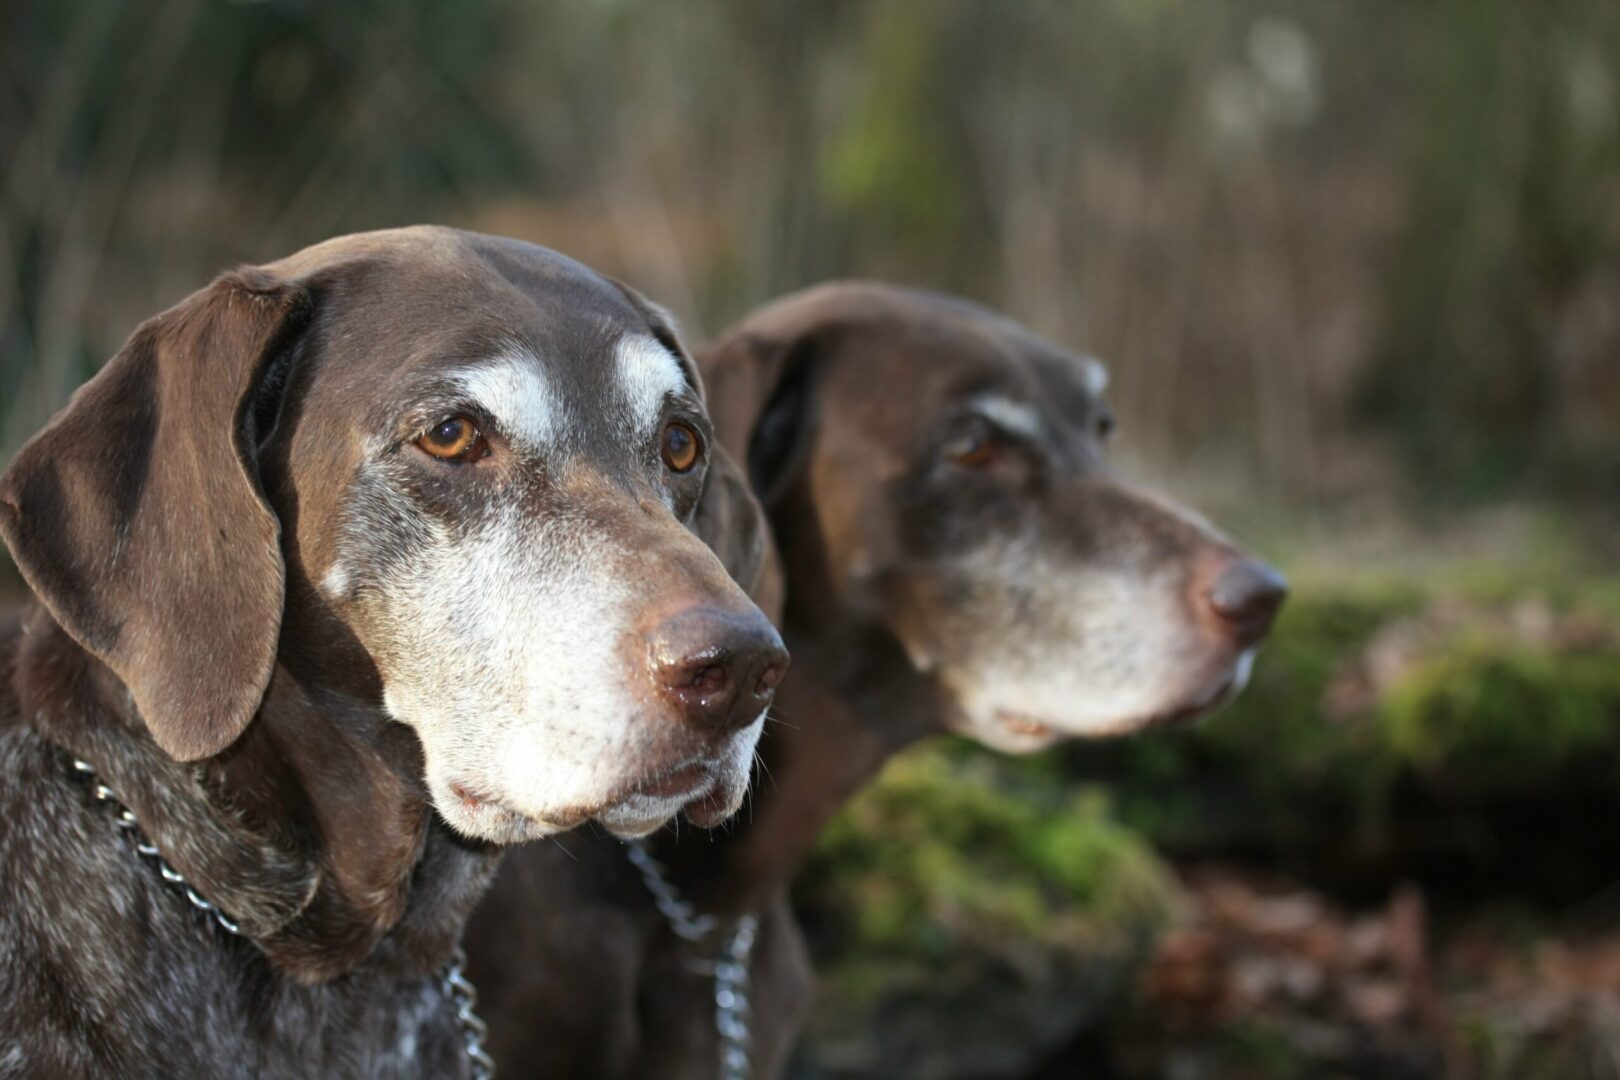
761, 395
138, 518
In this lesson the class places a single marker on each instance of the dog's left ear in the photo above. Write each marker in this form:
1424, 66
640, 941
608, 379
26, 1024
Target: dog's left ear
729, 519
762, 397
138, 518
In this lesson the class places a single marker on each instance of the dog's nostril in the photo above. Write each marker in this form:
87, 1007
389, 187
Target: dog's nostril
709, 679
770, 679
1247, 595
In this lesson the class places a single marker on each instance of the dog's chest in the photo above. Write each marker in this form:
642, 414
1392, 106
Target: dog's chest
386, 1029
125, 978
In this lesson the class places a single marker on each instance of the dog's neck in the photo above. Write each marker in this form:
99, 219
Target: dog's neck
842, 713
312, 831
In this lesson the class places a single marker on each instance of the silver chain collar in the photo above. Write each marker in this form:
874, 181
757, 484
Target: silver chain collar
730, 968
457, 988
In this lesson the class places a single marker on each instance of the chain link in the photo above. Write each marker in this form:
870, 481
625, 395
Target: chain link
733, 1008
733, 1016
125, 819
457, 988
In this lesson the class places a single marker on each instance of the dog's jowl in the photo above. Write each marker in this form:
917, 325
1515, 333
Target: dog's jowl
350, 569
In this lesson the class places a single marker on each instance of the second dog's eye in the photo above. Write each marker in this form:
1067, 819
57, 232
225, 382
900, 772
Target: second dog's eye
454, 439
680, 447
974, 447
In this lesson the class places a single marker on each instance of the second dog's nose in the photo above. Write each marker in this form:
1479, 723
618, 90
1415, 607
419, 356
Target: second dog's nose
1246, 596
719, 668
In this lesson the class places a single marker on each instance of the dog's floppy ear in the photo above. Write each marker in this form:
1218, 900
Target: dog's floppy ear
762, 399
138, 519
730, 521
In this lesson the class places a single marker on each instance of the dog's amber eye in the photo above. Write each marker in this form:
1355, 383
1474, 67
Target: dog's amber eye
681, 446
455, 439
973, 448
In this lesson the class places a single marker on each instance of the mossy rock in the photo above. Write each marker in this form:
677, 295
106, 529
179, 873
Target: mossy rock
970, 913
1502, 710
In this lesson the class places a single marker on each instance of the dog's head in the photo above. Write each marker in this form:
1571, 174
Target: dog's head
455, 474
935, 470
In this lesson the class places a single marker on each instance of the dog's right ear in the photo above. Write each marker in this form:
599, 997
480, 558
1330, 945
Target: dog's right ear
761, 393
138, 518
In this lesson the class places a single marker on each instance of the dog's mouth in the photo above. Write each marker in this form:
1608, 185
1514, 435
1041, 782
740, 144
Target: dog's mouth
1211, 697
685, 781
697, 788
700, 787
1024, 730
687, 778
1025, 727
704, 782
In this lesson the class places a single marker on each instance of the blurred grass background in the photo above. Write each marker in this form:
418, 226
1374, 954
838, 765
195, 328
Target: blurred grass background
1357, 271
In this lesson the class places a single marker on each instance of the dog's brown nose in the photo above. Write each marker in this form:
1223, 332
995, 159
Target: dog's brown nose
1246, 596
719, 668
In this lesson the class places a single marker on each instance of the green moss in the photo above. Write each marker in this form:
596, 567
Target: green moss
1498, 707
948, 851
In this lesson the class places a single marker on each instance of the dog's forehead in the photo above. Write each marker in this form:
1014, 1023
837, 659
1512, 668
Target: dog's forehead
532, 338
938, 362
422, 285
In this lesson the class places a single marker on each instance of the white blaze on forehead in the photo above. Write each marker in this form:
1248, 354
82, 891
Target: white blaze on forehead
1014, 416
513, 389
647, 373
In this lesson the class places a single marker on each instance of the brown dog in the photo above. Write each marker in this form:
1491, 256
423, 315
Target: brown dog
956, 555
350, 568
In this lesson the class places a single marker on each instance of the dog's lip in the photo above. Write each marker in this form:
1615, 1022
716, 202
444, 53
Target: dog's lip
474, 800
689, 777
471, 798
708, 807
694, 780
1219, 692
1023, 724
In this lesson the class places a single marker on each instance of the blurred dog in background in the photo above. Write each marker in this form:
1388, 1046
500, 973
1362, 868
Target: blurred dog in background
956, 555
